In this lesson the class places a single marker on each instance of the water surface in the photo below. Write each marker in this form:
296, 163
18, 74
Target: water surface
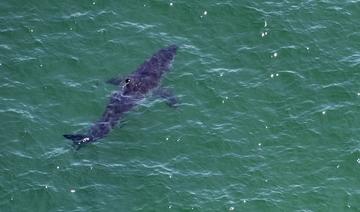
268, 119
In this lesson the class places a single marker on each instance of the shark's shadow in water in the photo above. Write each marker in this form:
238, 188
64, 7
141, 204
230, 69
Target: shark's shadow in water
131, 90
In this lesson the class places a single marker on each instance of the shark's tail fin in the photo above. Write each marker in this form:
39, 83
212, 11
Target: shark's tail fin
78, 138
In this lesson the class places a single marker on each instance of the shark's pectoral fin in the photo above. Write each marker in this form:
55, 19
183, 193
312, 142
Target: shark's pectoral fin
115, 80
167, 94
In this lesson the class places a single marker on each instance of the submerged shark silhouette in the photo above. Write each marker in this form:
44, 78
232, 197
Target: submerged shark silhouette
132, 89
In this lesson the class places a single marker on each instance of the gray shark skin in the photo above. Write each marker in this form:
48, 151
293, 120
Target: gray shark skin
131, 90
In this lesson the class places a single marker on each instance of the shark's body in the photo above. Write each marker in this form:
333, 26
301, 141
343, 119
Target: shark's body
132, 89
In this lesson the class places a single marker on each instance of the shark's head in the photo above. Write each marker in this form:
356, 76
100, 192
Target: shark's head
168, 53
150, 72
161, 61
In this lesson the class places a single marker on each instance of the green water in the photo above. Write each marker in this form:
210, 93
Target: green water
268, 119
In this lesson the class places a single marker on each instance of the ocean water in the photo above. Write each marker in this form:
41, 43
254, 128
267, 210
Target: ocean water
268, 119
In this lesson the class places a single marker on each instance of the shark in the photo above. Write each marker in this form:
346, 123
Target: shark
132, 89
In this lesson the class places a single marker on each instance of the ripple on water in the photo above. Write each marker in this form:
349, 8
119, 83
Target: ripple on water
353, 60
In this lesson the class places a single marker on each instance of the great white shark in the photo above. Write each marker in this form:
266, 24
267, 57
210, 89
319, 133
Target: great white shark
131, 90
